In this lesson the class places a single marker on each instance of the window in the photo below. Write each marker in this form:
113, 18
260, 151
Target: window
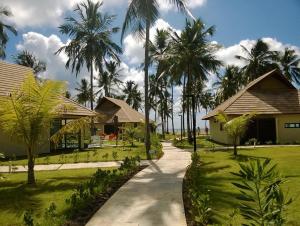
291, 125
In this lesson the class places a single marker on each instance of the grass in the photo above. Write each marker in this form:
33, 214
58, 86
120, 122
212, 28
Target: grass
89, 155
16, 196
214, 176
202, 142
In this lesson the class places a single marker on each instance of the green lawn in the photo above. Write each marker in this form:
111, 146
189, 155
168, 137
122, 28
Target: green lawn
54, 186
202, 142
215, 177
107, 153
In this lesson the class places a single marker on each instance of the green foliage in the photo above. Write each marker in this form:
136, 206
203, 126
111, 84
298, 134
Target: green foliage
201, 210
115, 155
262, 199
51, 216
235, 127
200, 201
130, 133
105, 156
99, 183
28, 218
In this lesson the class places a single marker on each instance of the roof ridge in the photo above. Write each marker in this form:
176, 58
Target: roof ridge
76, 103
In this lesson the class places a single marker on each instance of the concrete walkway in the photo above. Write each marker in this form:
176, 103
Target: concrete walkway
153, 197
50, 167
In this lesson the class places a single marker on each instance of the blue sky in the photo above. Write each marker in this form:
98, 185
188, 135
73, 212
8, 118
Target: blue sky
237, 22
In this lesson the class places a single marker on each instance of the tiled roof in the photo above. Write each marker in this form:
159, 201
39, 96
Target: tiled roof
12, 77
124, 112
262, 101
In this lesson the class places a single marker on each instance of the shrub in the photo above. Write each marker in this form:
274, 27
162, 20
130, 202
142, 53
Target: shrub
262, 199
115, 155
28, 218
201, 210
51, 217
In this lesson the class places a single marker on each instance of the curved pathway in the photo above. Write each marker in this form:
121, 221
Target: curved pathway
153, 197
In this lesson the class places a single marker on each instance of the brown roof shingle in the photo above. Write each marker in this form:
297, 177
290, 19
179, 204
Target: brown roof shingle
12, 76
124, 112
260, 101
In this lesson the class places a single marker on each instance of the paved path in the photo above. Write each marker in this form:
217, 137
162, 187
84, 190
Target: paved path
5, 169
153, 197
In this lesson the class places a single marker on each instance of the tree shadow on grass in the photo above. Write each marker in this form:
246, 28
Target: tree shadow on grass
16, 197
211, 180
246, 158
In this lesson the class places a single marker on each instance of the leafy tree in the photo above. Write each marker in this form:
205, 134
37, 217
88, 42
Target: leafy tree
26, 114
84, 92
5, 12
262, 199
109, 79
259, 60
140, 16
130, 132
229, 84
289, 63
27, 59
193, 57
90, 41
235, 127
132, 95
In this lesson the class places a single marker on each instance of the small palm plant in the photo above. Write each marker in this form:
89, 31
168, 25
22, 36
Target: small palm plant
235, 127
262, 199
27, 113
130, 133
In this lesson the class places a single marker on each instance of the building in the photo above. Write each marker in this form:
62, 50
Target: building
277, 105
114, 108
11, 77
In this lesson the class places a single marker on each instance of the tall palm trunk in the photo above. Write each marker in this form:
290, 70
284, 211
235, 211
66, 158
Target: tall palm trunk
147, 129
183, 106
172, 116
162, 114
92, 86
30, 175
188, 111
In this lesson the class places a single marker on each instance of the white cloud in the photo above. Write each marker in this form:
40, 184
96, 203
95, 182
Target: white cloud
43, 48
165, 5
227, 54
134, 47
40, 13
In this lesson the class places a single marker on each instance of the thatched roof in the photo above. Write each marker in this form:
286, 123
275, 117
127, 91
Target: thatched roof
12, 76
271, 93
114, 107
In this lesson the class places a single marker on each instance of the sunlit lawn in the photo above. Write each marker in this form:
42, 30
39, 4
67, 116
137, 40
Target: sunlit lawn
106, 153
215, 176
55, 186
202, 142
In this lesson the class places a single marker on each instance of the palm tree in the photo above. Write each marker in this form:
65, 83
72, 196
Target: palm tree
4, 12
27, 114
207, 102
90, 40
132, 96
27, 59
84, 92
259, 60
193, 56
230, 83
140, 16
109, 79
289, 63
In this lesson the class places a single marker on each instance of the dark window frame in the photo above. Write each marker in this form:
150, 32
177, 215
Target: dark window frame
296, 125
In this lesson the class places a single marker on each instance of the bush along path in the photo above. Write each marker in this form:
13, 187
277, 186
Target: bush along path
87, 197
151, 197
